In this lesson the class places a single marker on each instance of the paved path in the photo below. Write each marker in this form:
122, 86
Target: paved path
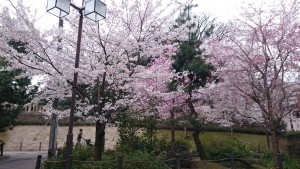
20, 159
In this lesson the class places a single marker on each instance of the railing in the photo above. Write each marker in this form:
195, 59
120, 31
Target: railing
120, 163
33, 147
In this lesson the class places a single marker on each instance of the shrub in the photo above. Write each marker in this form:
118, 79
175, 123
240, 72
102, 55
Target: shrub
291, 163
80, 153
293, 135
127, 128
132, 160
219, 149
293, 146
141, 160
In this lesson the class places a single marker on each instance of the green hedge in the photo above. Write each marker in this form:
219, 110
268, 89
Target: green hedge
293, 135
252, 129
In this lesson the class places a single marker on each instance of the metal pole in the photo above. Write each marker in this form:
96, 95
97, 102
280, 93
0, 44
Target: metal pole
120, 161
279, 161
69, 143
232, 162
38, 162
69, 162
177, 161
2, 146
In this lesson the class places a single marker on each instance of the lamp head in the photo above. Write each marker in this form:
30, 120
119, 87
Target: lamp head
59, 8
95, 10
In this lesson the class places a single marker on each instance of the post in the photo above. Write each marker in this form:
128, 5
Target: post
177, 161
40, 147
232, 162
53, 133
69, 162
120, 161
2, 147
279, 161
38, 162
21, 146
69, 143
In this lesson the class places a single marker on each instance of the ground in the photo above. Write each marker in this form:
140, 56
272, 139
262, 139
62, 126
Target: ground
20, 160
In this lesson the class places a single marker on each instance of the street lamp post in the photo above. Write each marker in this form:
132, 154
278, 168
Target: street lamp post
93, 9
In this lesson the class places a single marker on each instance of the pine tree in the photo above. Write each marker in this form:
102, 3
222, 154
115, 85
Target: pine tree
190, 58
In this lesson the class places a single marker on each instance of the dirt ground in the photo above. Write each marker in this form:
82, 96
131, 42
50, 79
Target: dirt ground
31, 138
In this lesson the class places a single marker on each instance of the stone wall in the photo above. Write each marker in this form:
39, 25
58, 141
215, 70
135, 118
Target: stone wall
32, 118
37, 118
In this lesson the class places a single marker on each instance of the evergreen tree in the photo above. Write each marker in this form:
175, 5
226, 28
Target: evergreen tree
14, 92
190, 58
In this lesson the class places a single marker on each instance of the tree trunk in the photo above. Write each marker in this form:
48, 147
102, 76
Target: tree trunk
99, 140
172, 132
199, 145
275, 148
196, 123
291, 122
184, 131
268, 139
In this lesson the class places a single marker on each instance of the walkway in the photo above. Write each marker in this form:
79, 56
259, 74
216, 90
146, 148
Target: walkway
20, 159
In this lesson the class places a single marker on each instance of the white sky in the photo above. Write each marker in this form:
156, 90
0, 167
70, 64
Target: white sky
221, 9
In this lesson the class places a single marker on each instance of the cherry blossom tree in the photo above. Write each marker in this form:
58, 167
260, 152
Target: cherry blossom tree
112, 55
258, 61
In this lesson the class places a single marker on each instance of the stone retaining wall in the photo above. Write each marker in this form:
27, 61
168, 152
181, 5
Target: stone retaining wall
37, 118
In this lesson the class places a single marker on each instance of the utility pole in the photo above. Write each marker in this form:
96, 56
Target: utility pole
54, 123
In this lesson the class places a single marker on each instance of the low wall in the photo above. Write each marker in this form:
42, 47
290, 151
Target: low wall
37, 118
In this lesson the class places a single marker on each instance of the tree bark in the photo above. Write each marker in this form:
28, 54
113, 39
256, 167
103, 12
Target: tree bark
199, 145
268, 139
99, 140
275, 148
196, 123
291, 122
172, 132
184, 131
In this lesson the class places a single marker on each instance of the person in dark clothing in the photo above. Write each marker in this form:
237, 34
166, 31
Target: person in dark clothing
79, 137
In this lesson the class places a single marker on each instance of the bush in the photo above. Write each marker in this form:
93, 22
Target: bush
287, 161
182, 148
292, 135
142, 160
291, 163
80, 153
83, 159
219, 149
130, 140
293, 146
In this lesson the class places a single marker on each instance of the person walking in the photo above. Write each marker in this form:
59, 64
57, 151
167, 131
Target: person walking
79, 137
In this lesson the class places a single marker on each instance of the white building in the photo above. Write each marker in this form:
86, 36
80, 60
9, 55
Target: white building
293, 121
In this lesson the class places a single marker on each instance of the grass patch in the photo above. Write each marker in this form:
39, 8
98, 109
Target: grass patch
210, 165
254, 141
220, 145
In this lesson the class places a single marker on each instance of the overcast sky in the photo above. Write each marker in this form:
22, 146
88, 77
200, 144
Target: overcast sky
221, 9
